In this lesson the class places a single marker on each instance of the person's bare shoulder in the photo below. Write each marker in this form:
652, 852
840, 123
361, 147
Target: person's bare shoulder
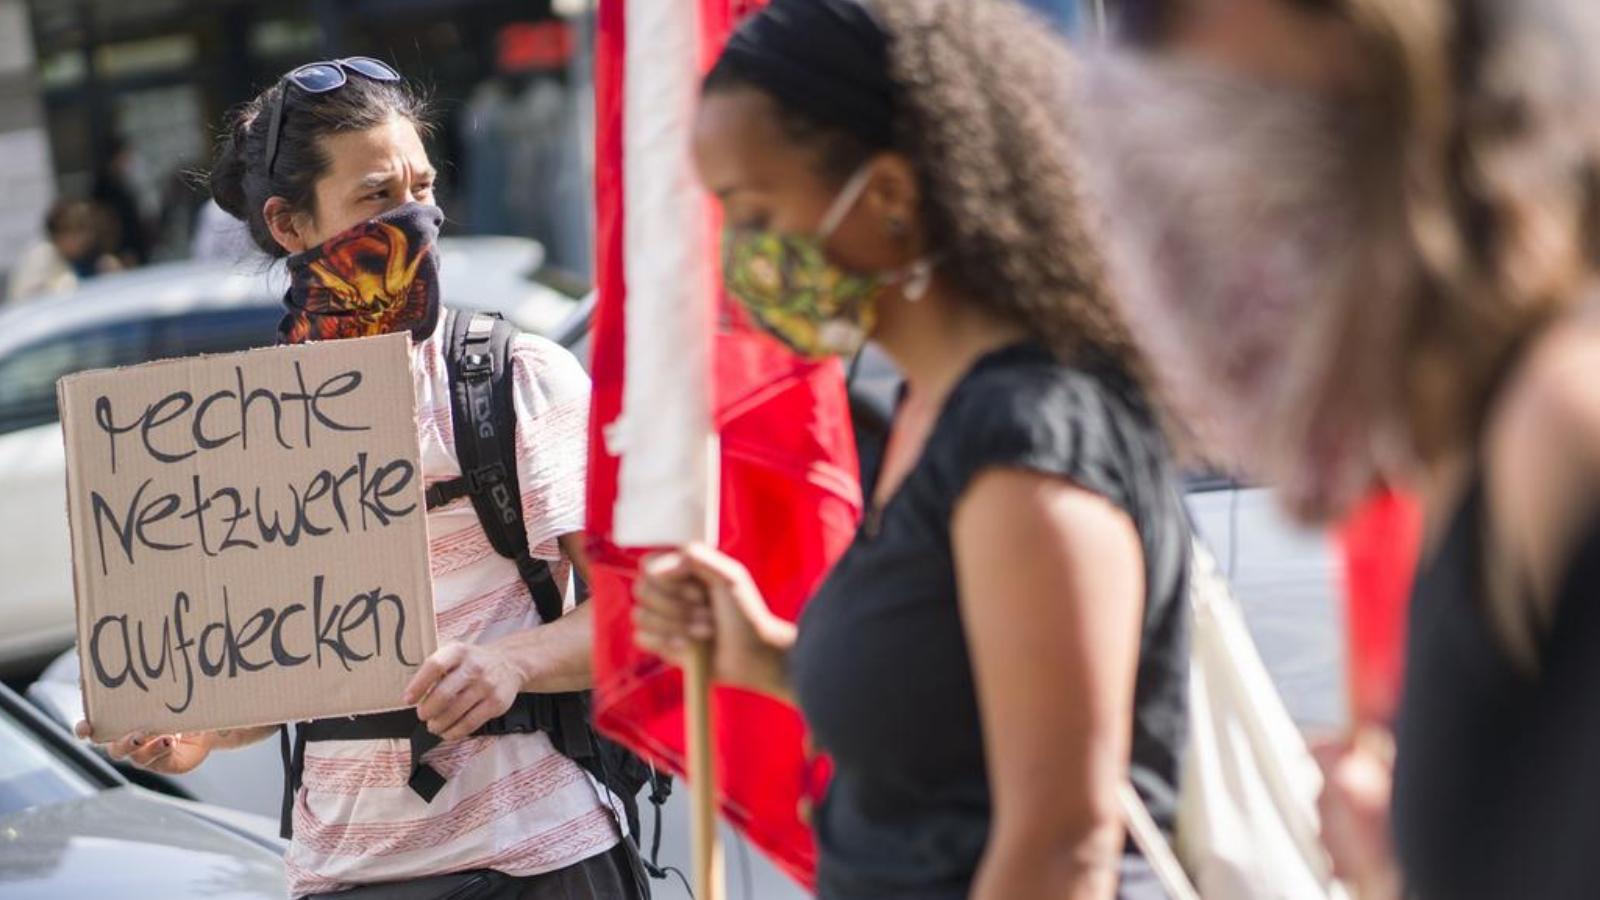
1550, 410
1541, 453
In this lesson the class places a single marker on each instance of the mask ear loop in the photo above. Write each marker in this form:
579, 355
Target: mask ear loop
918, 276
846, 201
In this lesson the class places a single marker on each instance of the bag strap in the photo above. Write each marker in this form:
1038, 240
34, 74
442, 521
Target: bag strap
483, 416
293, 750
484, 420
1153, 844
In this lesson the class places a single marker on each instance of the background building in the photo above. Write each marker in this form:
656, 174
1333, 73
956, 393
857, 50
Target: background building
145, 83
81, 78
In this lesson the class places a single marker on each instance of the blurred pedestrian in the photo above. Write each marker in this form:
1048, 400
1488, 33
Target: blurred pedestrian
328, 171
219, 237
117, 190
1360, 239
523, 167
69, 253
1006, 638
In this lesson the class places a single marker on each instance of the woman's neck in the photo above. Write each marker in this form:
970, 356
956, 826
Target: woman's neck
936, 339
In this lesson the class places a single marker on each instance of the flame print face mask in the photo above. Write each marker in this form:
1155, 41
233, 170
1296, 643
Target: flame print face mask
380, 277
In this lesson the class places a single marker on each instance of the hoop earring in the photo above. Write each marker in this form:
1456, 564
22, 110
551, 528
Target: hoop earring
918, 280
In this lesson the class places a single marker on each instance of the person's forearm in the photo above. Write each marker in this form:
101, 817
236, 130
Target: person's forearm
555, 657
773, 677
1384, 884
1077, 866
234, 738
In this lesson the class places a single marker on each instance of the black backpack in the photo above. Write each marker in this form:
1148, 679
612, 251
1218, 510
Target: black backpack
477, 356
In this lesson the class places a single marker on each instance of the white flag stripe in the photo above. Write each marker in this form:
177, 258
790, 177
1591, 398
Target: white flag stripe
664, 437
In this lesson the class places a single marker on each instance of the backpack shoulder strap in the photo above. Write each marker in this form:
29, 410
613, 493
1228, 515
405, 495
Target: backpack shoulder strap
483, 415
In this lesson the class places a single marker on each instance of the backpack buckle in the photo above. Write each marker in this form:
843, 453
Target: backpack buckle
484, 477
476, 366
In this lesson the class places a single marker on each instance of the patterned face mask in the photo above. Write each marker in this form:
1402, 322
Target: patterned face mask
792, 291
380, 277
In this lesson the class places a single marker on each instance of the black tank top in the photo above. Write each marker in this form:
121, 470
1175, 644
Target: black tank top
1497, 777
881, 666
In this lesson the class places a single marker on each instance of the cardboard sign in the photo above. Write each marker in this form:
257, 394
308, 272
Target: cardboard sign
249, 543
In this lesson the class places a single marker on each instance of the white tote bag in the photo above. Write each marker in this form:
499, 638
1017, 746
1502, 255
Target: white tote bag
1247, 821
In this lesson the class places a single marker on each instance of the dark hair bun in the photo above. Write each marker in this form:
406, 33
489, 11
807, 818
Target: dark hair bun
228, 170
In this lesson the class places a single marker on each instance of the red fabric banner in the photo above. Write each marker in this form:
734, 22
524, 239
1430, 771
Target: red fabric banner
1380, 543
789, 505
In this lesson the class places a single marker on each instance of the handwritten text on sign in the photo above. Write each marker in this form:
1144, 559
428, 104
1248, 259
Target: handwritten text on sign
248, 533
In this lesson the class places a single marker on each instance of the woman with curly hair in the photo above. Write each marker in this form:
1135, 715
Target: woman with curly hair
1004, 644
1385, 217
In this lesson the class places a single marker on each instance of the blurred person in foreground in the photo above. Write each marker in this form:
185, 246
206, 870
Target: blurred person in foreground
69, 253
327, 169
1359, 239
1005, 642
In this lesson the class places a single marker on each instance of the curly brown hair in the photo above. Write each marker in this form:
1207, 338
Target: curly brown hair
985, 90
982, 89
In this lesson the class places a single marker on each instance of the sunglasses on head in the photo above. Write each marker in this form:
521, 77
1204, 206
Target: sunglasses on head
321, 78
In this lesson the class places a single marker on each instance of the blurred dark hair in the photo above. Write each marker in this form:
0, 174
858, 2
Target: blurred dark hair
239, 181
839, 150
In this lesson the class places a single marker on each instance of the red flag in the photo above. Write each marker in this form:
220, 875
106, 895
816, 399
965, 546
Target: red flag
1381, 541
789, 499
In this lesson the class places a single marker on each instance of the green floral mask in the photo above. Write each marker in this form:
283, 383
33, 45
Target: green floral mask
796, 294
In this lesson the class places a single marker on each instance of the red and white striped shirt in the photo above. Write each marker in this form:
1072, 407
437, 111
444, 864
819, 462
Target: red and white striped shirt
510, 803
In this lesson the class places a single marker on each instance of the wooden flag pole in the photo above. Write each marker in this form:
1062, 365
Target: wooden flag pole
706, 843
705, 839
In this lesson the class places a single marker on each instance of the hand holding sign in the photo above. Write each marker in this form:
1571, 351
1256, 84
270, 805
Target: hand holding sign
168, 754
462, 686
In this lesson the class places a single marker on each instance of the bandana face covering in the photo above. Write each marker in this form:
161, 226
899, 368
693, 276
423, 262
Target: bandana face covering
1239, 249
793, 292
380, 277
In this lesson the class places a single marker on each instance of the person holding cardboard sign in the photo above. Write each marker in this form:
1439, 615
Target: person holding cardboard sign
470, 789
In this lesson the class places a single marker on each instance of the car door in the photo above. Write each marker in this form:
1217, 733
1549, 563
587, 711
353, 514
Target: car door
35, 557
36, 597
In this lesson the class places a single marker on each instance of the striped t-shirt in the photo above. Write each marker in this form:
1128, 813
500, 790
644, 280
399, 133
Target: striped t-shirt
510, 803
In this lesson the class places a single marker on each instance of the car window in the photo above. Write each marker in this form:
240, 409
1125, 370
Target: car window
28, 376
31, 774
216, 331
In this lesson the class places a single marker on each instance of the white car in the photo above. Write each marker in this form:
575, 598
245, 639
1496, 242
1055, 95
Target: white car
72, 826
178, 309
